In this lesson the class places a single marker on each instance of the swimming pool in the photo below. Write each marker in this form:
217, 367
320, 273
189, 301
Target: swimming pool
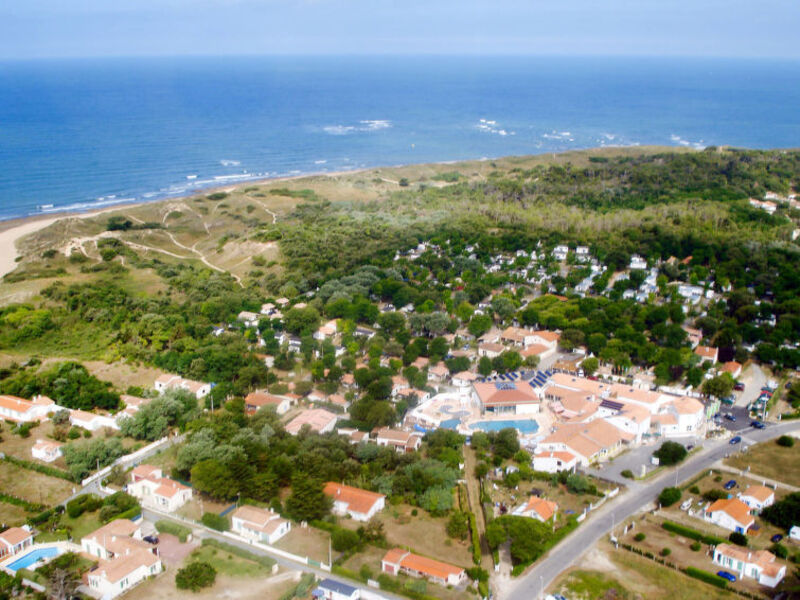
450, 423
32, 557
526, 426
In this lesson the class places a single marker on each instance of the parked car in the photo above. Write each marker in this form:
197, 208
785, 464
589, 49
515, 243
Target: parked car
730, 417
757, 424
739, 387
735, 440
150, 539
776, 538
725, 575
729, 485
687, 504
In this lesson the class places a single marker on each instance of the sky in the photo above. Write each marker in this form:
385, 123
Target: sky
92, 28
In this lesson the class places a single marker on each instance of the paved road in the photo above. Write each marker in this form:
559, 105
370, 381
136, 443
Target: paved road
600, 522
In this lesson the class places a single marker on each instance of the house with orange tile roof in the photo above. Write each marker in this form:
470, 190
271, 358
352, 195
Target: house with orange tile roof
124, 558
555, 461
758, 497
318, 419
589, 442
537, 508
149, 485
707, 353
759, 565
326, 331
397, 561
256, 400
401, 441
652, 401
463, 379
14, 540
360, 504
732, 367
20, 410
91, 421
354, 435
438, 373
694, 336
490, 350
167, 382
46, 450
259, 524
506, 398
731, 514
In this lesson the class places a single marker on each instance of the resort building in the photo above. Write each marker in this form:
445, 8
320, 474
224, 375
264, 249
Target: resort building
124, 558
359, 504
397, 561
758, 497
589, 442
20, 410
681, 416
759, 565
506, 398
731, 514
46, 450
167, 382
149, 485
14, 540
255, 400
318, 419
259, 524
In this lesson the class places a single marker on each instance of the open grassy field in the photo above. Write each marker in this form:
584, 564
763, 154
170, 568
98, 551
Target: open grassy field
12, 515
228, 564
33, 486
770, 460
20, 447
197, 507
226, 586
306, 541
621, 575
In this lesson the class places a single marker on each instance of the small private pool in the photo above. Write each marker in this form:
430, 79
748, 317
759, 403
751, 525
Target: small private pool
525, 426
33, 557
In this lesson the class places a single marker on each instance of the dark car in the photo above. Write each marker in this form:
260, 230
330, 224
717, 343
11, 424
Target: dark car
757, 424
776, 538
730, 417
150, 539
729, 485
725, 575
735, 440
739, 387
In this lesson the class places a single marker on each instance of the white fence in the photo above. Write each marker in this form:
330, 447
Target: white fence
131, 459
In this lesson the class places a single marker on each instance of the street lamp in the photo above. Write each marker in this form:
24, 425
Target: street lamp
541, 587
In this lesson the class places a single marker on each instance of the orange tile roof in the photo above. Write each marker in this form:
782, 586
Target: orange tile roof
123, 566
394, 556
15, 535
550, 336
732, 367
735, 508
559, 454
519, 393
429, 566
759, 492
687, 406
16, 404
706, 351
544, 508
358, 500
316, 418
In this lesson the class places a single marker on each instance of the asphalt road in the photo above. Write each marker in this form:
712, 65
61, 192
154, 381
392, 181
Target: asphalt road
634, 500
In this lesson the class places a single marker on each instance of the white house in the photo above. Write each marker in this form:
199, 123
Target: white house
759, 565
537, 508
166, 382
91, 421
330, 589
46, 450
14, 540
259, 524
731, 514
680, 417
360, 504
149, 485
255, 400
250, 319
555, 461
401, 441
125, 559
463, 379
397, 561
20, 410
637, 263
758, 497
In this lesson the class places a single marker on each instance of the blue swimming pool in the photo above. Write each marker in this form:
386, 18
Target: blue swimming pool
32, 557
526, 426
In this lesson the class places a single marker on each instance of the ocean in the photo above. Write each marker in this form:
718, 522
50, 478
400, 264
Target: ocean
82, 134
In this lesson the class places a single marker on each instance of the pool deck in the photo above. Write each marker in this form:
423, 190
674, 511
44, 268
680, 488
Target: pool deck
62, 546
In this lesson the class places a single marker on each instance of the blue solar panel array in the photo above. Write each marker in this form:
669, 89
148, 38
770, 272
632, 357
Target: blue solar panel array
505, 386
540, 378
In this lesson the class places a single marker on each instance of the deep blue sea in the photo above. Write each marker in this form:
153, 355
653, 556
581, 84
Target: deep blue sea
78, 134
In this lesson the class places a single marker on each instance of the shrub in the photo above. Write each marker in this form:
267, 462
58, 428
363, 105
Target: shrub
711, 578
215, 521
476, 539
779, 550
344, 540
669, 496
713, 495
737, 538
82, 504
690, 533
694, 489
195, 576
179, 531
665, 552
639, 537
414, 512
670, 453
696, 546
458, 525
627, 473
786, 441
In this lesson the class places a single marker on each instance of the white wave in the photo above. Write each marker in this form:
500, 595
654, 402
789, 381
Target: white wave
490, 126
363, 126
191, 177
320, 162
676, 139
225, 162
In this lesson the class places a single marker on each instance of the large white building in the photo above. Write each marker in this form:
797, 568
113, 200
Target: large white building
149, 485
20, 410
259, 524
506, 398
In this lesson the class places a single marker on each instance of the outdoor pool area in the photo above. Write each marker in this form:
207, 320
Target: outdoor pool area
525, 426
33, 557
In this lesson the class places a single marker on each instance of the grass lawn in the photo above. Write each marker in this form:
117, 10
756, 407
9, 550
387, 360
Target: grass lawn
165, 459
33, 486
197, 507
12, 515
622, 575
83, 525
770, 460
19, 447
226, 586
228, 564
306, 541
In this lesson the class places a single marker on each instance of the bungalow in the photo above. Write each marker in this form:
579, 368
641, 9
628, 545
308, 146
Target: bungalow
13, 540
731, 514
318, 419
250, 319
91, 421
326, 331
732, 367
637, 263
401, 441
464, 379
338, 400
330, 589
398, 561
760, 565
256, 400
555, 461
46, 450
537, 508
707, 353
125, 559
360, 504
20, 410
259, 524
506, 397
412, 395
694, 336
438, 373
354, 435
589, 442
149, 485
490, 350
167, 382
758, 497
349, 381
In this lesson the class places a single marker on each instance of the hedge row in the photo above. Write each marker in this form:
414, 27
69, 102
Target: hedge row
301, 589
265, 561
390, 584
476, 538
29, 506
215, 521
707, 577
179, 531
692, 534
45, 515
43, 469
131, 513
